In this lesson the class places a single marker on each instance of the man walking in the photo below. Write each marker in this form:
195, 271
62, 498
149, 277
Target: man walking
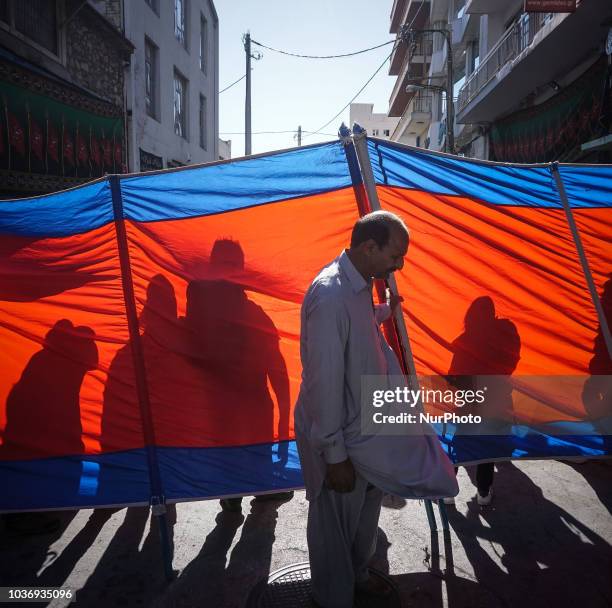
346, 472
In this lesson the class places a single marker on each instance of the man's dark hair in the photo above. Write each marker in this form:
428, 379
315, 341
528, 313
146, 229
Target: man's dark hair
376, 226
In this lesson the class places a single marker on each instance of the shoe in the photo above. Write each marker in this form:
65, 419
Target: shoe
449, 500
485, 500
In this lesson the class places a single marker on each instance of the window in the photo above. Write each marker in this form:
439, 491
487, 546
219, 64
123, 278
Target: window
386, 132
154, 4
180, 105
151, 78
34, 19
203, 134
179, 22
374, 132
418, 141
203, 43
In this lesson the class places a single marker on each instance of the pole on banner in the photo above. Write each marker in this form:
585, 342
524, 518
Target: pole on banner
157, 499
369, 183
603, 322
364, 207
361, 147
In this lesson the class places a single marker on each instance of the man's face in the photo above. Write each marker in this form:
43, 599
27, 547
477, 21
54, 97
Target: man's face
389, 258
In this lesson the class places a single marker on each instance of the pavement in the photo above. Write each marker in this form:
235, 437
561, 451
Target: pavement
545, 541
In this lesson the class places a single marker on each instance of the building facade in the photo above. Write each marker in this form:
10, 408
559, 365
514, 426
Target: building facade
376, 124
62, 110
173, 83
527, 86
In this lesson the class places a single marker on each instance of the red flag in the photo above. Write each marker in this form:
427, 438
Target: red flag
107, 153
16, 134
52, 142
94, 150
68, 147
36, 139
118, 152
82, 155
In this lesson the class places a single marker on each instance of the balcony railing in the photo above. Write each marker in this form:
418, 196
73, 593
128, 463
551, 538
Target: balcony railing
422, 45
514, 41
422, 102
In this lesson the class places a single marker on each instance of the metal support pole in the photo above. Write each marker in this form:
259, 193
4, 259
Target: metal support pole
361, 147
603, 322
299, 135
247, 102
157, 499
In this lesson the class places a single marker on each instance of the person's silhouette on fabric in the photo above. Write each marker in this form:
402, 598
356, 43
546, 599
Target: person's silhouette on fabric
45, 403
597, 389
485, 355
236, 346
45, 400
171, 384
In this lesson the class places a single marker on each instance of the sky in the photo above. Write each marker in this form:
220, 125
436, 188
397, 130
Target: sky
288, 91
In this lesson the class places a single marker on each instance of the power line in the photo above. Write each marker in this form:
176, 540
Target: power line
354, 97
275, 132
397, 41
233, 83
321, 56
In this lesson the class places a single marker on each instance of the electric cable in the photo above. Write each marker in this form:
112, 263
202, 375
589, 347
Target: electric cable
397, 41
372, 48
233, 83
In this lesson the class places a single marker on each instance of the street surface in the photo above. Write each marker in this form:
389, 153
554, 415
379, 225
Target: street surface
545, 541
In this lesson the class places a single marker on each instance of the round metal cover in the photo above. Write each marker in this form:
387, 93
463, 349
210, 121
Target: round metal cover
289, 587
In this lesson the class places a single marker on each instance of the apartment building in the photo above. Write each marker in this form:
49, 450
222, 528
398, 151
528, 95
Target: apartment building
528, 86
376, 124
62, 113
173, 83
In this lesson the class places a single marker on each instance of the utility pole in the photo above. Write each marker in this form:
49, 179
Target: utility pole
407, 35
247, 102
450, 102
299, 135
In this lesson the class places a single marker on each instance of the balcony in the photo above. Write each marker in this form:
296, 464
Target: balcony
513, 69
465, 29
416, 118
408, 11
479, 7
397, 14
417, 18
414, 66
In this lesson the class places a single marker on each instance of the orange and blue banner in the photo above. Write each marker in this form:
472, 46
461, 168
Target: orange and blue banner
149, 324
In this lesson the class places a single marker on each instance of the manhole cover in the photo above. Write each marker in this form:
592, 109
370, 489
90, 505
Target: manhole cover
289, 587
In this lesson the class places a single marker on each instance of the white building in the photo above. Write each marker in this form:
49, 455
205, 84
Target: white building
376, 124
225, 149
173, 85
528, 86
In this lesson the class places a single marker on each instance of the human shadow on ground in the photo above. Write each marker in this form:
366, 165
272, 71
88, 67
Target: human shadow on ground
129, 572
529, 551
218, 577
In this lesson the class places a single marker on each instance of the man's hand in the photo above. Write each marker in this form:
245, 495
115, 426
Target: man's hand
340, 476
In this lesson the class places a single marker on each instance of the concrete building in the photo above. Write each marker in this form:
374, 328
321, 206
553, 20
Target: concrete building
62, 114
173, 83
376, 124
541, 90
225, 149
528, 86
